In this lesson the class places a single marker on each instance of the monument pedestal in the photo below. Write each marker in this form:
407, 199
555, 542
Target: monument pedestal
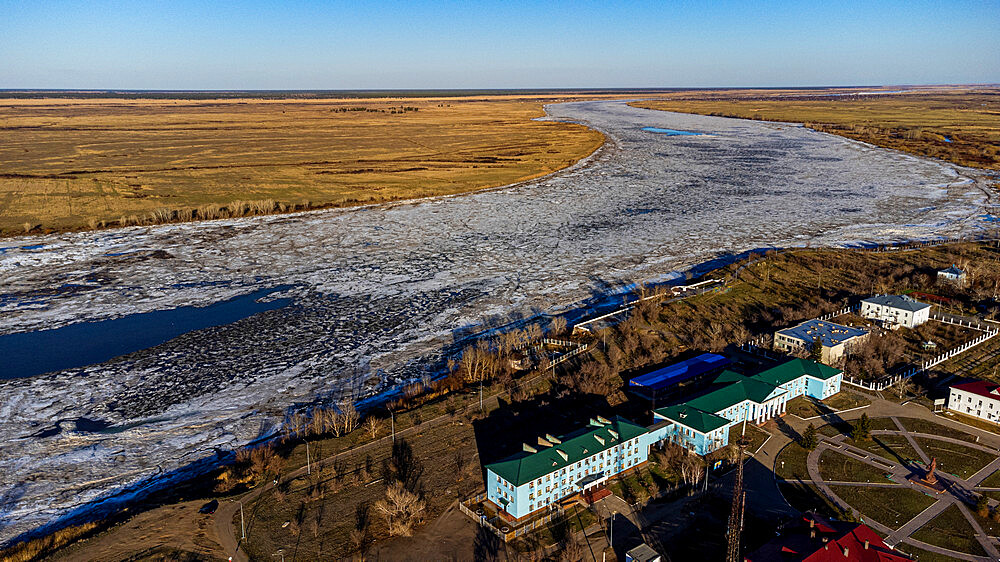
929, 480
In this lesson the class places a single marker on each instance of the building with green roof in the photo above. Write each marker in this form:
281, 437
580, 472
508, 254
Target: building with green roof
702, 423
553, 468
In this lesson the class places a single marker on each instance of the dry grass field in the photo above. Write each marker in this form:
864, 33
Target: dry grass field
960, 125
83, 163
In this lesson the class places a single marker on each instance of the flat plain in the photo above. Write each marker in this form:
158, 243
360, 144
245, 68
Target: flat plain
76, 163
961, 126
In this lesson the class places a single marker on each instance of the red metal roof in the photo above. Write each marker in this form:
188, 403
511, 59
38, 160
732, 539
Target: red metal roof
827, 541
982, 388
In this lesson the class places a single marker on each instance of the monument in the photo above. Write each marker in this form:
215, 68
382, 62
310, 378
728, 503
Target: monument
929, 480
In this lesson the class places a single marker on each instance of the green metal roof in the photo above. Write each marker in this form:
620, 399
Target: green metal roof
526, 466
738, 388
795, 368
689, 416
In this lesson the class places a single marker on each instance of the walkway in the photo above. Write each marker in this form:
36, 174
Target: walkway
899, 474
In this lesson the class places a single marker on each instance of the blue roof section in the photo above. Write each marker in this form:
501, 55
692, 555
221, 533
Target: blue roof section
680, 372
832, 334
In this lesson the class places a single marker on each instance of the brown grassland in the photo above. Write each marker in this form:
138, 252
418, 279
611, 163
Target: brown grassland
78, 163
918, 122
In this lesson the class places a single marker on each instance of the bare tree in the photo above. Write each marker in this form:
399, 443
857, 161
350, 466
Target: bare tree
401, 509
373, 425
558, 325
348, 415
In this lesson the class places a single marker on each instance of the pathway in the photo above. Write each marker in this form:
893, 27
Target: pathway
899, 474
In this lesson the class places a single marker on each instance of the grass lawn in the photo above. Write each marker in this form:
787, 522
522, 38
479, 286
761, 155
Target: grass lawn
955, 459
846, 400
973, 421
917, 425
950, 530
892, 507
923, 555
835, 467
894, 448
757, 437
791, 462
807, 497
805, 407
992, 481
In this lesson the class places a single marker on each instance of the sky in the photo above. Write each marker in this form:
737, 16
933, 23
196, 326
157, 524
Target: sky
206, 45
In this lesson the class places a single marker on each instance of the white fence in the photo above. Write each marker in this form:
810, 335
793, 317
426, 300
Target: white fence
888, 381
842, 311
962, 321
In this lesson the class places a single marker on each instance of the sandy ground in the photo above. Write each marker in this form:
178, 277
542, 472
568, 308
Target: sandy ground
382, 293
178, 526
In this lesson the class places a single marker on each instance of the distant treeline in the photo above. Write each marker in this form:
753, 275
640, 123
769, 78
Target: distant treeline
401, 109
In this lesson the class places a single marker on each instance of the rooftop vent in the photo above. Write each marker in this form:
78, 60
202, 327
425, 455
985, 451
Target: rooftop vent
552, 439
544, 443
603, 420
614, 434
599, 439
563, 454
529, 448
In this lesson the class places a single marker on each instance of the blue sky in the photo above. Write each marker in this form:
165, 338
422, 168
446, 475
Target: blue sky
184, 44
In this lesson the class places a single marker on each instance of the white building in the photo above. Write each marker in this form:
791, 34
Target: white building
894, 311
980, 399
952, 276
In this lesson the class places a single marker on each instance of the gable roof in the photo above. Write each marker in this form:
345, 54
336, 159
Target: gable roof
982, 388
526, 466
834, 541
901, 302
795, 368
737, 389
689, 416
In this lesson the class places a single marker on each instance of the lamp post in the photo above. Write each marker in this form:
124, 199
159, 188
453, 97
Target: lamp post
611, 541
243, 526
308, 462
281, 553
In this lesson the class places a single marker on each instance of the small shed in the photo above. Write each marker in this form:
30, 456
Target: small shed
952, 276
642, 553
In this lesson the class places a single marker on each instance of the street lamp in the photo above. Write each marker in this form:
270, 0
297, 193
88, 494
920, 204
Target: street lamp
611, 541
281, 552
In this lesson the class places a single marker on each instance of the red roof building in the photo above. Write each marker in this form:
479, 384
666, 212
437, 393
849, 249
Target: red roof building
977, 398
982, 388
817, 539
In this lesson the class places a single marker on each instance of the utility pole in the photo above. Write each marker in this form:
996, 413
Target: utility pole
480, 395
308, 463
392, 419
243, 526
735, 527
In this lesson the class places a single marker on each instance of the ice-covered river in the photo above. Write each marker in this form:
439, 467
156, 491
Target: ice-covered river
378, 292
